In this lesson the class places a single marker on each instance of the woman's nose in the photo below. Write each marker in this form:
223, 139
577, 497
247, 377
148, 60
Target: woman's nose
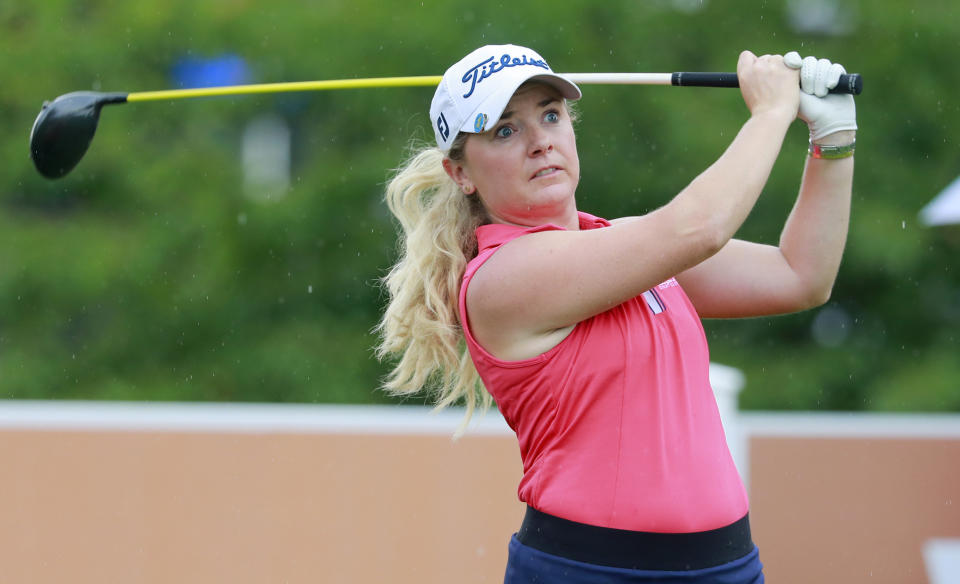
540, 142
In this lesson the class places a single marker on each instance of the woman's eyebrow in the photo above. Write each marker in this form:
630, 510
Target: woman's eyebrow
509, 113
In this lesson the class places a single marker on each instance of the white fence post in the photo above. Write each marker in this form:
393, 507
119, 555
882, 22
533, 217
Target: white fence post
727, 382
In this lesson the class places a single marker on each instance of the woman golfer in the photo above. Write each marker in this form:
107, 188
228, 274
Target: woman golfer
586, 331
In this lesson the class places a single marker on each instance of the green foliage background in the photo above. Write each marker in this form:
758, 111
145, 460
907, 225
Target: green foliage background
147, 274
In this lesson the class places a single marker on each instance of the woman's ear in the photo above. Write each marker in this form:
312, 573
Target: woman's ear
459, 174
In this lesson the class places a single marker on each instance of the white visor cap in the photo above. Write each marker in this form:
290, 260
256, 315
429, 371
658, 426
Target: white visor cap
475, 90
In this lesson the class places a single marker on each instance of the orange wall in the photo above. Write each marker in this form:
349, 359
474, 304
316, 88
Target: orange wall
294, 500
95, 507
852, 509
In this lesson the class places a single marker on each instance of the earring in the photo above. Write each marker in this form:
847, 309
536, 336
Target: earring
467, 190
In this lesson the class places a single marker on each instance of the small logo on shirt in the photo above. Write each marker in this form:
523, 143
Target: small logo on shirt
653, 301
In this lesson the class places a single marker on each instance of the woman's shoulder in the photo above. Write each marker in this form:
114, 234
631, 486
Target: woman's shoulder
497, 234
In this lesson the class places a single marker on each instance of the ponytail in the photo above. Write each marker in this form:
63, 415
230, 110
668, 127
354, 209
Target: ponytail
421, 324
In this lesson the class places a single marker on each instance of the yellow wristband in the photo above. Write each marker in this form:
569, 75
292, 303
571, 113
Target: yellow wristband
832, 152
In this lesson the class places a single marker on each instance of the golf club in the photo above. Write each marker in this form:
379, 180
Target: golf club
63, 130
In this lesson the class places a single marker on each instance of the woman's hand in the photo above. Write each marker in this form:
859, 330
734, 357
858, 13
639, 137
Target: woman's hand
826, 114
768, 86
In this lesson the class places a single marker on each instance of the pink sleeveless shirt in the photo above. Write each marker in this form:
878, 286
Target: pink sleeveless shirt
617, 424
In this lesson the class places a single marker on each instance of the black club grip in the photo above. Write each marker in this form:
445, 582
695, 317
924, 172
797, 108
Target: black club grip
851, 83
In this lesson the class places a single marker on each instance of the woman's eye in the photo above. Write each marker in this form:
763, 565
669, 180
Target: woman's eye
552, 117
504, 132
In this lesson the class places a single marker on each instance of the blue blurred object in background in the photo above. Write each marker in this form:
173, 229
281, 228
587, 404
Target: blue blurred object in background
216, 71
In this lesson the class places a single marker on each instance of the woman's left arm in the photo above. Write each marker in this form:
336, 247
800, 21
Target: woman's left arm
749, 279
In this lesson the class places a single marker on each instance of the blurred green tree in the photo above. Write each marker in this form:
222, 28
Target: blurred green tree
150, 273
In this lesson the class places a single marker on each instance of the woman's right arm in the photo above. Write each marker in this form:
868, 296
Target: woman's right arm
545, 282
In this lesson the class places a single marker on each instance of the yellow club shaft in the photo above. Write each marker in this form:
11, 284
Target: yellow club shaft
419, 81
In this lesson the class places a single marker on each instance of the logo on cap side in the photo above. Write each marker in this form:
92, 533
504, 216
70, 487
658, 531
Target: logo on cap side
443, 128
479, 123
485, 69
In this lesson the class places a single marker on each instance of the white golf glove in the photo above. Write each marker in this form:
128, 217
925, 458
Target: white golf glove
824, 113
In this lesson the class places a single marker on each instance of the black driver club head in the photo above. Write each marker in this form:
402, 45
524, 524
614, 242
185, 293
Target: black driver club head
64, 129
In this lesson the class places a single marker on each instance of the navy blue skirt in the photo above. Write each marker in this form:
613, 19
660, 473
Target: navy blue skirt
552, 549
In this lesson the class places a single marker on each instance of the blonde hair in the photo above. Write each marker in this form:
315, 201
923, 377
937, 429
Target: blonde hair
421, 323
